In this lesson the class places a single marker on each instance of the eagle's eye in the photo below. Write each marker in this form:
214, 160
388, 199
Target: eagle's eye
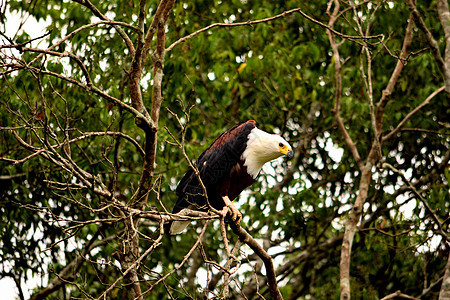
281, 145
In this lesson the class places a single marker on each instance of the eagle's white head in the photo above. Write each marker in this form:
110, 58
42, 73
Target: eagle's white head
263, 147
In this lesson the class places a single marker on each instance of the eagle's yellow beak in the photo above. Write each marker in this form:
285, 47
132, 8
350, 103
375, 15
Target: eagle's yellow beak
286, 150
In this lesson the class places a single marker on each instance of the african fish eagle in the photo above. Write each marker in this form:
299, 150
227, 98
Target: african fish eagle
229, 165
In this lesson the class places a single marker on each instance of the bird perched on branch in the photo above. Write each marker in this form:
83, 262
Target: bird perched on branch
229, 165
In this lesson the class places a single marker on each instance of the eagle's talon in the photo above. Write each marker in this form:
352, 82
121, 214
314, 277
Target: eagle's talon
238, 219
234, 214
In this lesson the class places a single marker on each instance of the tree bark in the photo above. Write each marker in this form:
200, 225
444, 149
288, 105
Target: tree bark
350, 230
130, 245
445, 288
444, 16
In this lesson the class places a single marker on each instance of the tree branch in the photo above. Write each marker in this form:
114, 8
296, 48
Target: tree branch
431, 41
101, 16
81, 28
185, 258
134, 265
94, 89
65, 54
350, 230
71, 268
415, 110
433, 215
444, 16
85, 135
151, 135
338, 76
282, 15
386, 94
398, 294
444, 294
246, 238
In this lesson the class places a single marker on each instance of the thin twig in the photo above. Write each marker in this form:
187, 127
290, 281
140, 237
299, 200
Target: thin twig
282, 15
246, 238
134, 265
398, 294
415, 110
424, 202
338, 76
430, 39
181, 263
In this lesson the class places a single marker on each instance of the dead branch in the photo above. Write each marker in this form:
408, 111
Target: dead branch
414, 111
86, 135
101, 16
424, 202
430, 39
338, 76
282, 15
246, 238
94, 89
134, 265
398, 294
387, 92
66, 274
181, 263
445, 288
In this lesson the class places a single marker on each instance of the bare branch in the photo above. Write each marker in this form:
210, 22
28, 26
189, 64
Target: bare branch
398, 294
445, 288
424, 202
282, 15
101, 16
65, 54
115, 101
386, 94
246, 238
71, 268
181, 263
20, 46
431, 41
415, 110
444, 16
338, 76
81, 28
134, 264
